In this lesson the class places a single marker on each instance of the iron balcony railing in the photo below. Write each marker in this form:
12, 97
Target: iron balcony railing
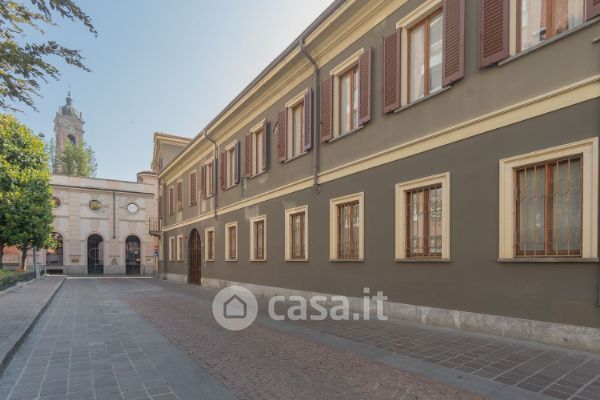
154, 226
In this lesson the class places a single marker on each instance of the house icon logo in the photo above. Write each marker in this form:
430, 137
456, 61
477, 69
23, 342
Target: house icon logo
235, 308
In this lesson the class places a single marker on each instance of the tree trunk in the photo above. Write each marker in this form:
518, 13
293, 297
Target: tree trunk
1, 254
23, 258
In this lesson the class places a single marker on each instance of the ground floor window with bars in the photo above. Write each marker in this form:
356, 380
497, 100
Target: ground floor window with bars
209, 240
423, 218
258, 235
348, 230
231, 242
548, 208
296, 234
424, 222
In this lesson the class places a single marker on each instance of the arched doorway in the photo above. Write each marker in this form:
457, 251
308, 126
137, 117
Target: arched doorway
133, 255
54, 256
95, 254
195, 257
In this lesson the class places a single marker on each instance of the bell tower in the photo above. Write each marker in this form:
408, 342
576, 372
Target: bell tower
68, 125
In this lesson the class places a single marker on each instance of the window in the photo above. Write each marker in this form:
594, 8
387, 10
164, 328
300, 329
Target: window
349, 87
171, 202
425, 58
179, 196
180, 248
230, 165
347, 228
172, 249
423, 218
257, 151
296, 131
193, 190
209, 242
258, 238
296, 234
538, 20
208, 171
231, 241
549, 203
348, 105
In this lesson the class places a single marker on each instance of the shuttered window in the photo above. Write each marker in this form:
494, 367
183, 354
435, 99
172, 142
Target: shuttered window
171, 202
295, 141
348, 100
426, 56
493, 31
255, 150
179, 196
258, 241
297, 233
348, 224
230, 165
193, 189
231, 242
391, 71
548, 205
538, 20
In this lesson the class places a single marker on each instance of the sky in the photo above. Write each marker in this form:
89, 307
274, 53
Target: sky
158, 65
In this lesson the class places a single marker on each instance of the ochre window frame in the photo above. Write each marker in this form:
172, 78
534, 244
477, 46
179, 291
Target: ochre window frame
588, 148
401, 225
334, 225
228, 242
336, 74
209, 250
179, 248
253, 243
209, 178
405, 25
288, 233
425, 22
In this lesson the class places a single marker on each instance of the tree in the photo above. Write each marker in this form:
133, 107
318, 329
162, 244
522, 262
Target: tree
25, 194
23, 65
76, 160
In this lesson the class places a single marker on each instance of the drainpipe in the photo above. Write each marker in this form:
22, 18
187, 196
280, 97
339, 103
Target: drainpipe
316, 116
215, 175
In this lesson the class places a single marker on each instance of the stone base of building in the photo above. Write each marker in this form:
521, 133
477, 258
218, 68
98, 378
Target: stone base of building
176, 277
568, 336
145, 270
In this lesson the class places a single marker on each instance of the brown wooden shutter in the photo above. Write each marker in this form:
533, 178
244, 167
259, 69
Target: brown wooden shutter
236, 164
160, 205
248, 155
454, 41
193, 189
391, 71
364, 90
223, 170
203, 182
326, 111
493, 31
592, 9
179, 196
265, 144
282, 135
308, 119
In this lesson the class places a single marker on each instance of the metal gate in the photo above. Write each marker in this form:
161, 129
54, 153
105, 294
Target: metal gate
95, 245
132, 255
195, 257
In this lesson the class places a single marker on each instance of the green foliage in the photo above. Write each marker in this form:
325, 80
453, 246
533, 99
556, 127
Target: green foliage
76, 160
25, 193
10, 278
23, 65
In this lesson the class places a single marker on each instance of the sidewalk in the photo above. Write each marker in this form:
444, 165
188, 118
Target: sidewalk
20, 307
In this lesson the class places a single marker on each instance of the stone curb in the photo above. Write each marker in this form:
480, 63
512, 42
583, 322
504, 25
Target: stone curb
6, 358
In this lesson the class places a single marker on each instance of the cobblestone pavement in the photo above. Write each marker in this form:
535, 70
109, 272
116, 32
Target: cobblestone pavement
83, 347
149, 339
19, 306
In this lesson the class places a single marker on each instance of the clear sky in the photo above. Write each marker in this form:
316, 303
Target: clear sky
161, 65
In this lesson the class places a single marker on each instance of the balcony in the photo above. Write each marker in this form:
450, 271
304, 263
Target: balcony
154, 226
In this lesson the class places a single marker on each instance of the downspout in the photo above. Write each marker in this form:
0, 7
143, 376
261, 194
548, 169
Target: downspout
215, 175
316, 116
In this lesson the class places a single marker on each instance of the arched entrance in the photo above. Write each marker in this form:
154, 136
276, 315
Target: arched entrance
95, 254
133, 255
54, 256
195, 257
